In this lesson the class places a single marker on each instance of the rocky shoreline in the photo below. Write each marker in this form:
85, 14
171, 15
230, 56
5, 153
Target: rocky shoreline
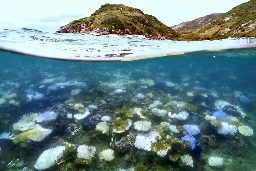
83, 29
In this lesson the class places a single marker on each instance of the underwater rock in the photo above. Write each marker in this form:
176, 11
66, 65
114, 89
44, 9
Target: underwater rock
244, 100
159, 80
49, 157
198, 88
46, 116
190, 139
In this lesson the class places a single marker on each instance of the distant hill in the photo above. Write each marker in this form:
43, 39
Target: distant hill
122, 20
196, 23
238, 22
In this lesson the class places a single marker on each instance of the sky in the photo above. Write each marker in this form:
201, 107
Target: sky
49, 15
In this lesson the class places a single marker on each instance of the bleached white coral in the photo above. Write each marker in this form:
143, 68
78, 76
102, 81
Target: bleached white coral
177, 104
83, 115
48, 157
105, 118
226, 129
7, 136
37, 134
42, 133
191, 129
107, 155
78, 106
187, 160
230, 118
209, 117
159, 112
169, 84
156, 103
75, 92
85, 152
25, 123
140, 96
142, 125
180, 116
215, 161
245, 130
220, 104
144, 140
138, 111
162, 153
190, 94
103, 127
168, 127
242, 113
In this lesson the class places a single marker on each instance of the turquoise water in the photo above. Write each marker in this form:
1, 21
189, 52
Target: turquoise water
153, 114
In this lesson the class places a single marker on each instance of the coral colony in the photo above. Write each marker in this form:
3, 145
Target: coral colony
122, 119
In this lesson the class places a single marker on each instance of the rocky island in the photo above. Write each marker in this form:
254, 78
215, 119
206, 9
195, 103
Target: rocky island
120, 20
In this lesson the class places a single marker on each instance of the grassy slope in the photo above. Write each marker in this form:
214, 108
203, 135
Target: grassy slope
233, 20
196, 23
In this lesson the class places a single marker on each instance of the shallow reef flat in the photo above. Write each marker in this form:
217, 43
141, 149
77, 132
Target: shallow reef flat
195, 111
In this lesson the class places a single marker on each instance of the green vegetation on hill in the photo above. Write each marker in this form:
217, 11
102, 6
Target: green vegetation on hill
195, 24
238, 22
121, 19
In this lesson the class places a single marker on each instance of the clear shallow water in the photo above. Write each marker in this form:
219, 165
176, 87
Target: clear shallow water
87, 47
167, 92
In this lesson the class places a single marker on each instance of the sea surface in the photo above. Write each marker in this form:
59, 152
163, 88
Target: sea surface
80, 102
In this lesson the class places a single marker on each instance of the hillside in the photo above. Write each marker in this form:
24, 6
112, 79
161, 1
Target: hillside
238, 22
195, 24
122, 20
